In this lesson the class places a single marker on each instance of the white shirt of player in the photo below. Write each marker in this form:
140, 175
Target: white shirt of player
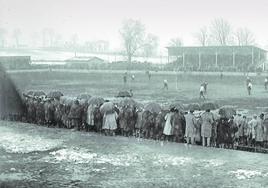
202, 88
250, 85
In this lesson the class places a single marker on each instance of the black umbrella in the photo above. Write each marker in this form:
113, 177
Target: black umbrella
209, 105
227, 111
193, 106
84, 96
66, 100
39, 93
96, 100
30, 93
54, 94
124, 94
153, 107
107, 107
128, 102
177, 105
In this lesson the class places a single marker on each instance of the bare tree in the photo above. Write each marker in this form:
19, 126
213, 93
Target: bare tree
58, 40
176, 42
151, 45
202, 36
17, 35
51, 36
133, 34
35, 39
244, 37
74, 41
221, 31
44, 37
3, 33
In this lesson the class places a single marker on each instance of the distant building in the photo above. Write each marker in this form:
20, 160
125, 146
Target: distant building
84, 62
240, 58
15, 62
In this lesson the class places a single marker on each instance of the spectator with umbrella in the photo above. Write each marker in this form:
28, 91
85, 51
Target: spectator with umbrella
178, 124
168, 129
206, 128
55, 94
159, 124
152, 109
127, 116
191, 124
138, 123
252, 124
148, 123
265, 130
109, 118
49, 113
40, 112
97, 115
75, 115
90, 123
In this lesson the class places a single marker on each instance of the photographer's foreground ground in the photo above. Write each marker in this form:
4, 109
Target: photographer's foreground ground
33, 156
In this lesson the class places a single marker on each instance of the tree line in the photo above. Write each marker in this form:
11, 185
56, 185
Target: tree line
135, 40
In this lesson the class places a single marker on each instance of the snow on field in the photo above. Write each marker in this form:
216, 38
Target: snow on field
247, 174
185, 161
23, 143
80, 156
73, 155
74, 158
172, 160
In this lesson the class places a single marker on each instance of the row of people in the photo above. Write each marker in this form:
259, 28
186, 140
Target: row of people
204, 128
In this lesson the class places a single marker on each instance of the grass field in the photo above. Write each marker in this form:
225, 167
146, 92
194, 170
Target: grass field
230, 90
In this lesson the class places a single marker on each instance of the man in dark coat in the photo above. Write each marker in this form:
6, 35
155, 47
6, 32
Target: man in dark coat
148, 122
40, 112
57, 112
49, 113
75, 115
222, 132
159, 125
178, 123
30, 111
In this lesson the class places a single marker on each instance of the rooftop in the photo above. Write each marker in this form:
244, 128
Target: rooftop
84, 58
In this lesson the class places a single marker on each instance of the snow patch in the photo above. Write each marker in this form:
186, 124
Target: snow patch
212, 163
242, 174
79, 156
23, 143
171, 160
73, 155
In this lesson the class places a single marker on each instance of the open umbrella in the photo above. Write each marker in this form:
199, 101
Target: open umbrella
39, 93
66, 100
153, 107
96, 100
54, 94
177, 105
84, 96
128, 102
107, 107
124, 94
30, 93
209, 105
227, 111
193, 106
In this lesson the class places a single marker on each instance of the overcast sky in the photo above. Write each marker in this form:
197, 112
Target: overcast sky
101, 19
